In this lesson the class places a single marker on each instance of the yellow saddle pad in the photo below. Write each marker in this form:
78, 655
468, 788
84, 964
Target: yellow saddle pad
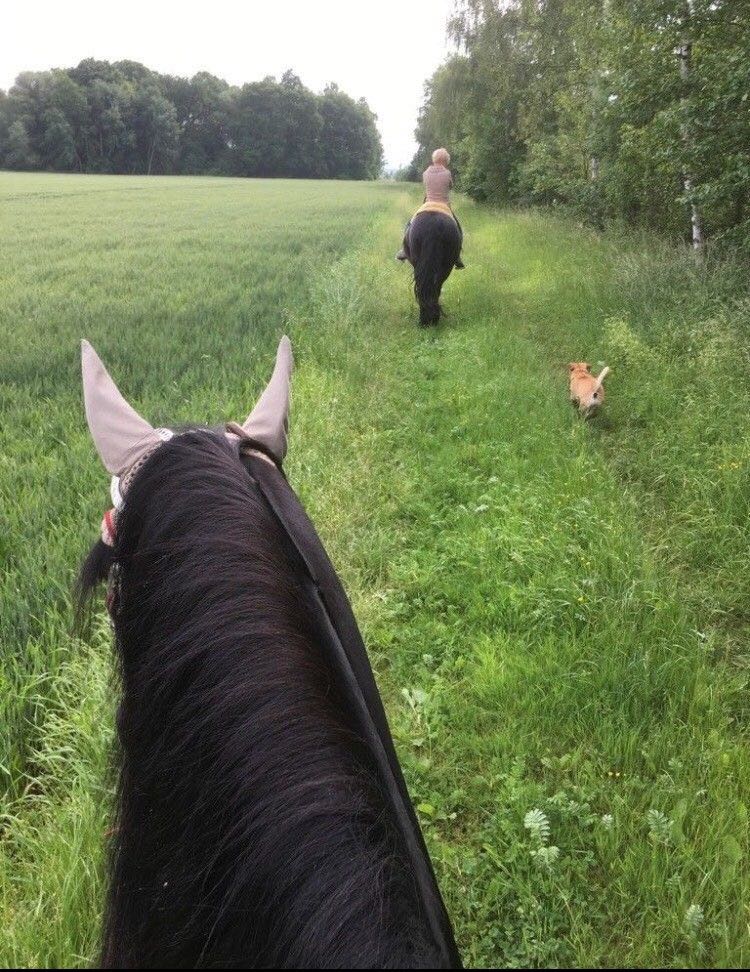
435, 207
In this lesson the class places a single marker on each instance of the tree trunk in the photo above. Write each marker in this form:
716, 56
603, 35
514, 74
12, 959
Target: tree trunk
685, 53
594, 160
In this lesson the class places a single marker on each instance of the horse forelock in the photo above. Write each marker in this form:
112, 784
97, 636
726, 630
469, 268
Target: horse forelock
250, 824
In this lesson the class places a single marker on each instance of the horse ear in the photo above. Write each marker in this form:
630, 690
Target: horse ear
120, 435
268, 423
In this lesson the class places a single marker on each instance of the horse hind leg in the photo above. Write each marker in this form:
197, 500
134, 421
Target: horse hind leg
430, 310
427, 315
434, 307
430, 314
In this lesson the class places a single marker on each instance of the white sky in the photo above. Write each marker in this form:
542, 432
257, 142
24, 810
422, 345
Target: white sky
383, 50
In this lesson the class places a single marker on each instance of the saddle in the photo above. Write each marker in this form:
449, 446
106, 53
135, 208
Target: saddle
435, 207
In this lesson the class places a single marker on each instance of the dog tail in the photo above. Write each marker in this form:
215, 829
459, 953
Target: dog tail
600, 380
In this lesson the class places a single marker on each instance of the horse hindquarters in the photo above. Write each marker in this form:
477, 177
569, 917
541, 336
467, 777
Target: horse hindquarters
435, 245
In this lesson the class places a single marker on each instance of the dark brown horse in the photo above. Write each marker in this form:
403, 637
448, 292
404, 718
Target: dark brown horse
262, 819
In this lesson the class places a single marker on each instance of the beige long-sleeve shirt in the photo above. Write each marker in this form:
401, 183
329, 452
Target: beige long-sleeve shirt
437, 183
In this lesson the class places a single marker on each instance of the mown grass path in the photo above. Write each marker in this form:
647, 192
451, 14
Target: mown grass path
556, 611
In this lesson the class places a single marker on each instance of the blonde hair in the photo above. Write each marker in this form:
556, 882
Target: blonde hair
440, 157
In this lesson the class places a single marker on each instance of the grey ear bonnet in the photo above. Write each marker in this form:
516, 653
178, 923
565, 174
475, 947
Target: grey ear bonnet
124, 440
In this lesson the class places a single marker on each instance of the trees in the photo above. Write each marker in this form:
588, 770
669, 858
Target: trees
447, 115
153, 123
275, 129
57, 141
18, 151
351, 147
634, 109
202, 107
123, 117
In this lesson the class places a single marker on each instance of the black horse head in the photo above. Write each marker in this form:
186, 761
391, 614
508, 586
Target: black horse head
434, 247
262, 818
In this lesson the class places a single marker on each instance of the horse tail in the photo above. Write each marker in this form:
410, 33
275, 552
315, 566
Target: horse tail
427, 289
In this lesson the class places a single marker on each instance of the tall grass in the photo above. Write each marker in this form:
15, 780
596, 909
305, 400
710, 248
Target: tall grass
554, 609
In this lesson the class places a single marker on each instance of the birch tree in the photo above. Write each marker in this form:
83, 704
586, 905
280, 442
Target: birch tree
685, 55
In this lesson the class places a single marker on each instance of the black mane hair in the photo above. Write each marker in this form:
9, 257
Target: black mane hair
434, 247
250, 830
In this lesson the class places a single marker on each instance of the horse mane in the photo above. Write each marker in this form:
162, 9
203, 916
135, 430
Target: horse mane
251, 830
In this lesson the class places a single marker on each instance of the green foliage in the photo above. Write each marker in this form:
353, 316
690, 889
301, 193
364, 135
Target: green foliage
18, 151
556, 610
582, 102
101, 117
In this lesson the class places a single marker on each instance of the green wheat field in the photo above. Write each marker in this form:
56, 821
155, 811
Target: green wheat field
557, 611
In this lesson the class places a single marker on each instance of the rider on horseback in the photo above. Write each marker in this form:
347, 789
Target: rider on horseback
438, 181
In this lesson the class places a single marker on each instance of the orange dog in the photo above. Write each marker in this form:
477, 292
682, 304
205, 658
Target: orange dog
586, 391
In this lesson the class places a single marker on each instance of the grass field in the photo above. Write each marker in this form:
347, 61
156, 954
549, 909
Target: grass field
558, 612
